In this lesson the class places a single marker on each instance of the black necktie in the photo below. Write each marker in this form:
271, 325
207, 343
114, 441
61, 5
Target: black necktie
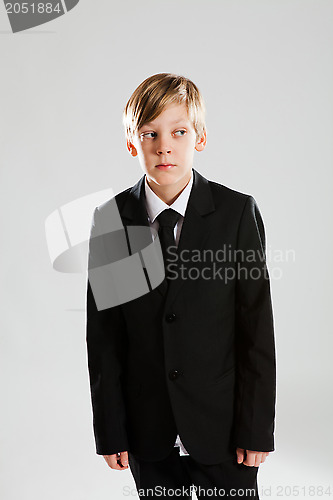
167, 221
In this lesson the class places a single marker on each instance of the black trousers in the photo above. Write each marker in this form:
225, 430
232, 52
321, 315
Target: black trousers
178, 476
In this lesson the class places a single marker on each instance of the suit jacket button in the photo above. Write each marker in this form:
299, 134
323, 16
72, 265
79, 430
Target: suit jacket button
173, 374
170, 317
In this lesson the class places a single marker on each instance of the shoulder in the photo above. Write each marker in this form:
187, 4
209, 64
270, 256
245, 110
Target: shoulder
225, 196
119, 198
222, 190
107, 216
242, 207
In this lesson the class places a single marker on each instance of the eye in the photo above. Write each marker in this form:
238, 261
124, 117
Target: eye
147, 134
181, 132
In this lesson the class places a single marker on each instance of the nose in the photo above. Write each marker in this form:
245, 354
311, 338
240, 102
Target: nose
163, 147
162, 151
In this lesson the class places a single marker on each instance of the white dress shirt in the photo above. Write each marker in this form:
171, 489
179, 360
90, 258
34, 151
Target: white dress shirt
154, 206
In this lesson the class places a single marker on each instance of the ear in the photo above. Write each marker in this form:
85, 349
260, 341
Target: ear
201, 143
131, 148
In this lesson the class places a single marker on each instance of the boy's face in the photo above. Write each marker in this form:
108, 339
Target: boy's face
165, 147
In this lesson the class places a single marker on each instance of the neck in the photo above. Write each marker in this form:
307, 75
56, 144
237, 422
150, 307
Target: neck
169, 193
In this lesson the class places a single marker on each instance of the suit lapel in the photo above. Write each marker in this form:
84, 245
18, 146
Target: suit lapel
195, 227
134, 213
134, 209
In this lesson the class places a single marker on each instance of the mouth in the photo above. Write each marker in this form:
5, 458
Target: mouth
165, 166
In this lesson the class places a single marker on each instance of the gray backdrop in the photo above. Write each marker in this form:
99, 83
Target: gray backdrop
265, 70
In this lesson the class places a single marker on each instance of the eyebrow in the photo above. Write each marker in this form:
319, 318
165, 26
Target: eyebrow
171, 123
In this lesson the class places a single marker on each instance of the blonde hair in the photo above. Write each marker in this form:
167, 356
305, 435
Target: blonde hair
153, 94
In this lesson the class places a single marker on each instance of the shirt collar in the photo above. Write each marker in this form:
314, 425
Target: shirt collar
155, 205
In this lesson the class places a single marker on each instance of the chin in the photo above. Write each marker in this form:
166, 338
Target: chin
165, 178
161, 175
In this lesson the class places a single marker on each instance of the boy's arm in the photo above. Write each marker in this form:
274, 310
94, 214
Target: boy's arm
106, 347
256, 370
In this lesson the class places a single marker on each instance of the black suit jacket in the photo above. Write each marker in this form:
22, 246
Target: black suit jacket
197, 358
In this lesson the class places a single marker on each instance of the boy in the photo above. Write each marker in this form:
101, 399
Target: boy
183, 377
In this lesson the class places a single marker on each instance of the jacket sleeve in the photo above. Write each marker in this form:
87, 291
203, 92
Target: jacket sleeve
106, 350
255, 345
